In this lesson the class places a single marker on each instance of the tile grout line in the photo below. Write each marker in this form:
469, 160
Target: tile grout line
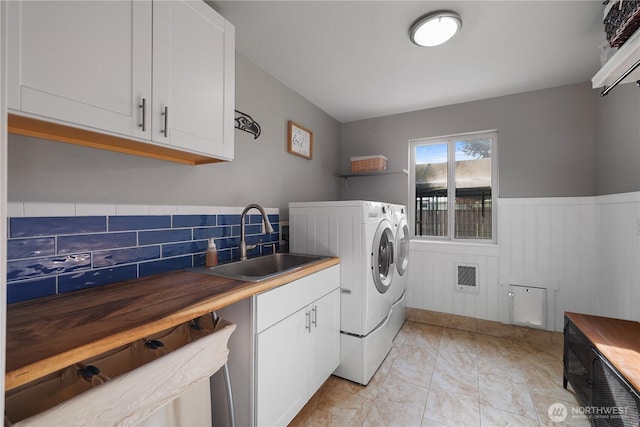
514, 351
475, 340
433, 371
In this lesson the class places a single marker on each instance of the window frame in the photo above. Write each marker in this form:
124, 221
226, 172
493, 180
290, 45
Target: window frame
450, 140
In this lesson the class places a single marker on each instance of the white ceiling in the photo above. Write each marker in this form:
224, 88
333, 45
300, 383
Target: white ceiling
354, 59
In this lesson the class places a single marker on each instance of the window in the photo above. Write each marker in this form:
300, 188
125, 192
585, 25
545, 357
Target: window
454, 187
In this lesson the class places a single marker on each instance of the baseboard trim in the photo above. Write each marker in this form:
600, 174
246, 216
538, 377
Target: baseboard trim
485, 327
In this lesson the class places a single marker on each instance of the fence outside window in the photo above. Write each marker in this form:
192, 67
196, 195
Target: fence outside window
454, 182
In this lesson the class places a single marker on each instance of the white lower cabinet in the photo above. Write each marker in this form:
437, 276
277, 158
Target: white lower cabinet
282, 370
296, 353
324, 355
285, 346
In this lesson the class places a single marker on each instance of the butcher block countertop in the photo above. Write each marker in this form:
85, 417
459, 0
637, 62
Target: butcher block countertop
51, 333
617, 340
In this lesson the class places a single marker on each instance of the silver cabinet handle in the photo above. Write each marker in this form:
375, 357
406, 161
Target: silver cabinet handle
314, 310
165, 113
308, 322
143, 106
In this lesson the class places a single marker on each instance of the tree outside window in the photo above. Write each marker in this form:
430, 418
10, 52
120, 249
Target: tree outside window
453, 181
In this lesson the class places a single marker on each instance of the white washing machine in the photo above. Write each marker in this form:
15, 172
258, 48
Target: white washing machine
361, 233
401, 253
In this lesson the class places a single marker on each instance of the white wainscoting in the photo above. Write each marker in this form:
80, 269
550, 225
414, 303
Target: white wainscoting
431, 284
584, 250
551, 239
618, 249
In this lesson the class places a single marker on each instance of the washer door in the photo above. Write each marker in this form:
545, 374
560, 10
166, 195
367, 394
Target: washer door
402, 247
382, 256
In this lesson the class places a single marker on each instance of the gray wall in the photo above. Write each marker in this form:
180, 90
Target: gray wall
262, 172
618, 148
546, 143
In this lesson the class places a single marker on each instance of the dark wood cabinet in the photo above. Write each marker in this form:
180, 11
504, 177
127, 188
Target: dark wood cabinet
602, 363
578, 362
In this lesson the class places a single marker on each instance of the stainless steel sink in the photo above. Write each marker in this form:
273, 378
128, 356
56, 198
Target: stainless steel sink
261, 268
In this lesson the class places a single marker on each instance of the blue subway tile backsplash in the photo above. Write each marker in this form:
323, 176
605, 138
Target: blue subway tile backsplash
125, 256
28, 248
139, 222
193, 220
230, 219
54, 254
88, 242
31, 289
51, 226
164, 236
175, 249
34, 267
165, 265
208, 232
95, 277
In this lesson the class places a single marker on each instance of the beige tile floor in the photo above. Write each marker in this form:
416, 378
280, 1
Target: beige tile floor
436, 376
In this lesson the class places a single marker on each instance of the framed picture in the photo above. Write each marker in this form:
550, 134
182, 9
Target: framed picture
300, 141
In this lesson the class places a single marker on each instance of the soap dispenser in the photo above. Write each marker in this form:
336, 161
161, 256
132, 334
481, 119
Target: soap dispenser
212, 254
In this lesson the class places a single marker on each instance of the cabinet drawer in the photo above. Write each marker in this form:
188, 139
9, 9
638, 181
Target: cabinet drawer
276, 304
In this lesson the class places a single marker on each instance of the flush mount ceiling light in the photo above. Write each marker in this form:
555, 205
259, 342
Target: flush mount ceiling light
435, 28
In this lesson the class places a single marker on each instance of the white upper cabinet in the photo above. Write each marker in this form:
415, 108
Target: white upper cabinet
116, 67
193, 76
85, 63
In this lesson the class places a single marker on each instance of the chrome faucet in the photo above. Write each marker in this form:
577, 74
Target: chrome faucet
243, 243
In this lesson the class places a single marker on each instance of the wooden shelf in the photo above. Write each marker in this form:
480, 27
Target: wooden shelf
356, 175
621, 61
27, 126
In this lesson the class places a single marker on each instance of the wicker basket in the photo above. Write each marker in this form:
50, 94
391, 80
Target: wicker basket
621, 22
364, 164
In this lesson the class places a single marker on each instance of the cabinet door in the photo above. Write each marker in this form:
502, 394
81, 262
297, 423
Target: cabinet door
193, 78
81, 62
282, 370
324, 349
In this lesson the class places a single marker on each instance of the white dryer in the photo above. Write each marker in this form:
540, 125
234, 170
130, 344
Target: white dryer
401, 252
362, 234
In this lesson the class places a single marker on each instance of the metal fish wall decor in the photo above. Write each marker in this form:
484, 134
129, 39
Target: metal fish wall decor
246, 123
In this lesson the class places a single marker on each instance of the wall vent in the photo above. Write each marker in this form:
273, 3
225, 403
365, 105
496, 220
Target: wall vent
466, 277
